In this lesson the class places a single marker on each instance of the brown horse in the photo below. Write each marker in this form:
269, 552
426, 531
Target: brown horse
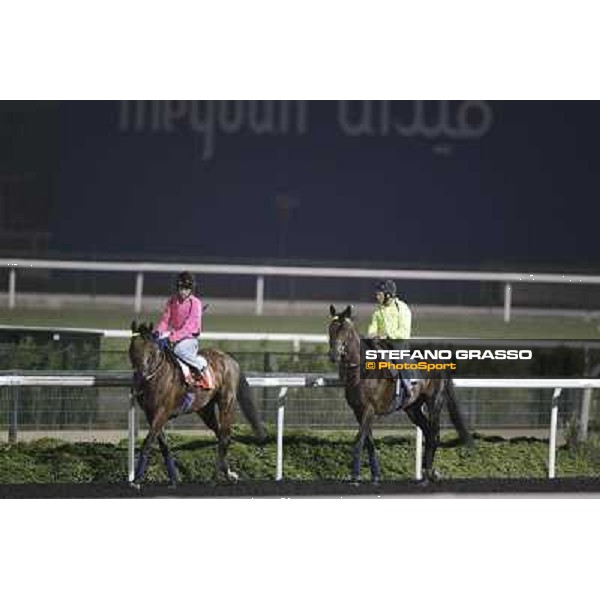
369, 397
159, 386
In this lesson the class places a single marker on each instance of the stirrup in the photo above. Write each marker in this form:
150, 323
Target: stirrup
206, 379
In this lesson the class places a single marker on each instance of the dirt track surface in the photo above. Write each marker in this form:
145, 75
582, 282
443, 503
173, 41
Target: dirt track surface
292, 489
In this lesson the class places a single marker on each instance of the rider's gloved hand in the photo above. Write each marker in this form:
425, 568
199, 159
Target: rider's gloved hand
162, 339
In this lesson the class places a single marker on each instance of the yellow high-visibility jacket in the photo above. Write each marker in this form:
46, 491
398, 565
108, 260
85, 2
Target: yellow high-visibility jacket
391, 320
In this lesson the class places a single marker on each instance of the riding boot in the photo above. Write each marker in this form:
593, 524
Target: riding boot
205, 379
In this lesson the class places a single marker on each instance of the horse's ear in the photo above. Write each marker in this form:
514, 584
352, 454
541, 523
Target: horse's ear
332, 310
348, 312
134, 326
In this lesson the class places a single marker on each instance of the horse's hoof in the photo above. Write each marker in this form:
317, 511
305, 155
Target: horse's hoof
172, 485
432, 476
136, 485
376, 481
355, 481
232, 477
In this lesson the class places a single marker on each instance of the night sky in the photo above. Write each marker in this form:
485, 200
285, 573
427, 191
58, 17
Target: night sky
506, 184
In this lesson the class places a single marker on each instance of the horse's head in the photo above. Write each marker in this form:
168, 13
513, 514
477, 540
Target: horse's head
343, 337
144, 352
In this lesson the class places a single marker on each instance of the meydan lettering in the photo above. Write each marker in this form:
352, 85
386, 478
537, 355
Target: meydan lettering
470, 119
208, 118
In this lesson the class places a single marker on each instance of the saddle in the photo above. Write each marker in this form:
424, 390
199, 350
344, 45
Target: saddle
204, 381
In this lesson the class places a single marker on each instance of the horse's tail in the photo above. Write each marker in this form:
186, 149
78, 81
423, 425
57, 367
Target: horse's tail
246, 401
455, 414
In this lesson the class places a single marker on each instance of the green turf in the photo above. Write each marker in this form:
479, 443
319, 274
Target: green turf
308, 456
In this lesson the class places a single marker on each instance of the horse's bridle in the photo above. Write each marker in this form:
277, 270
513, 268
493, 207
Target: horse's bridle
342, 353
148, 376
341, 349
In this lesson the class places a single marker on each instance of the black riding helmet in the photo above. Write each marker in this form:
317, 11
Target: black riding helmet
388, 287
185, 280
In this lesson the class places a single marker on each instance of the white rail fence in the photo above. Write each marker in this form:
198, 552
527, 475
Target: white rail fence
262, 271
297, 339
304, 381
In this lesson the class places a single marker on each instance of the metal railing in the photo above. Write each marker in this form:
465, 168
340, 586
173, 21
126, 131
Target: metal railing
490, 409
262, 271
284, 382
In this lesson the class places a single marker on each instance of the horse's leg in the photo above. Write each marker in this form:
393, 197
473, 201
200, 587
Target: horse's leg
142, 459
356, 456
373, 459
157, 423
363, 433
434, 411
218, 418
168, 458
430, 426
225, 418
209, 414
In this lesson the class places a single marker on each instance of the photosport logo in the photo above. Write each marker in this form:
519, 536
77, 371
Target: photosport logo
497, 359
209, 120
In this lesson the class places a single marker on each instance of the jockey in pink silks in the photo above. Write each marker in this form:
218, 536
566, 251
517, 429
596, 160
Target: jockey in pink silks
181, 324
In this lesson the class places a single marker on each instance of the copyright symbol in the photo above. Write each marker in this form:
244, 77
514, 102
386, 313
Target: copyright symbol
370, 365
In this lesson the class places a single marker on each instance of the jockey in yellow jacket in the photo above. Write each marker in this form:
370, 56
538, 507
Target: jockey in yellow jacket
391, 322
392, 317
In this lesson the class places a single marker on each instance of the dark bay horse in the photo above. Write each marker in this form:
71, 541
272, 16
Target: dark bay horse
369, 397
159, 387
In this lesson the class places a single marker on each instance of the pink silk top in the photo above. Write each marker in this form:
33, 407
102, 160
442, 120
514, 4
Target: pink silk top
183, 318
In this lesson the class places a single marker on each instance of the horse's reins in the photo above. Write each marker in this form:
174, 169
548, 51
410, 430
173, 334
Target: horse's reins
343, 355
156, 369
153, 373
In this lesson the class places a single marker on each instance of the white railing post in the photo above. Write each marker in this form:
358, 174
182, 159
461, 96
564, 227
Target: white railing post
584, 415
131, 437
553, 431
418, 454
139, 288
260, 295
280, 415
12, 288
507, 302
296, 348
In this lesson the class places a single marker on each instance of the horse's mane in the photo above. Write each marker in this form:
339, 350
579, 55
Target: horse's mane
143, 329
